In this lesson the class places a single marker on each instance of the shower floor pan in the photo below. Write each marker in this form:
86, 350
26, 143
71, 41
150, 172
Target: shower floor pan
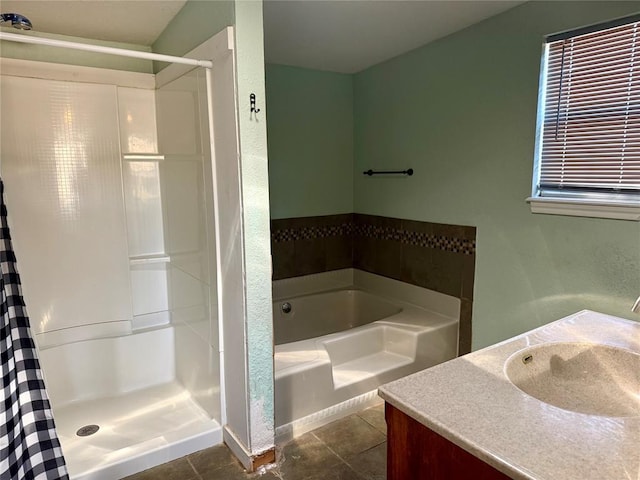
137, 431
126, 385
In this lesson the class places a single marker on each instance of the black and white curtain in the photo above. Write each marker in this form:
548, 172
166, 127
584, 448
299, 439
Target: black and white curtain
29, 445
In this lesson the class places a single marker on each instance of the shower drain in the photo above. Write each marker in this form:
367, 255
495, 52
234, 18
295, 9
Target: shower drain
87, 430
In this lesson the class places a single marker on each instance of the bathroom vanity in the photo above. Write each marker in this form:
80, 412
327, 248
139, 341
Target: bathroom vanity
416, 451
558, 402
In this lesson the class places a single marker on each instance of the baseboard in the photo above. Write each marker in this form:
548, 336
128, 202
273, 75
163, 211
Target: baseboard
251, 462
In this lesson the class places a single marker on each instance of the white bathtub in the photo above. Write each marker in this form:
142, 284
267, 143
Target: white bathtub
347, 333
320, 314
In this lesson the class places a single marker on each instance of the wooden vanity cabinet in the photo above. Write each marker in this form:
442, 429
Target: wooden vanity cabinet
414, 452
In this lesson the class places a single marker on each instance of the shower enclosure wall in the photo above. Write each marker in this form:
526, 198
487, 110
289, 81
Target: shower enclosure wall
110, 190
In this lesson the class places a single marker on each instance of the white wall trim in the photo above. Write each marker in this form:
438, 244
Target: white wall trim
236, 447
585, 208
223, 137
213, 49
75, 73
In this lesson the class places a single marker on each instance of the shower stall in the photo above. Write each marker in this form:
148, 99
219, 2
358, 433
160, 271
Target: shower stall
111, 188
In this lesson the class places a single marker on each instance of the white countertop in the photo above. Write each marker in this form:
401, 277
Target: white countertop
470, 402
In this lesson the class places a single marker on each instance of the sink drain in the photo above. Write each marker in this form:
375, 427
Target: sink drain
87, 430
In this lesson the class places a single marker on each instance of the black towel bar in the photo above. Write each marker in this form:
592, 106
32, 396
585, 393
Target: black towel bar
388, 172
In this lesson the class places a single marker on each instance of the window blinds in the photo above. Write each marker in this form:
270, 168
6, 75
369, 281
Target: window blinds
591, 120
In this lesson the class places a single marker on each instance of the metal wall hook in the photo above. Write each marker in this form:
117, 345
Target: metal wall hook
252, 102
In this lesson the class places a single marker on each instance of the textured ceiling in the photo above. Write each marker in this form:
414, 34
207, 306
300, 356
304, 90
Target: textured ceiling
349, 36
336, 35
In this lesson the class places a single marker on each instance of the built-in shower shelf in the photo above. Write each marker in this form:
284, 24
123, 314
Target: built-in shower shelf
150, 320
161, 157
143, 157
147, 259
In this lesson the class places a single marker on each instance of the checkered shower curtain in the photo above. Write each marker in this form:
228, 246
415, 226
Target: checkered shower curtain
29, 446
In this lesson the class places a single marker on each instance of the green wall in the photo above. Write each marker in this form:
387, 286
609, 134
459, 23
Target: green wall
250, 78
310, 137
196, 22
461, 111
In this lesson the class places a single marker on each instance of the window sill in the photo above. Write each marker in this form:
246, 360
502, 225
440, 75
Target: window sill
585, 208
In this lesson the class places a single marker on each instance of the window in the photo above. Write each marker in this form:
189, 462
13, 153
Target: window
587, 159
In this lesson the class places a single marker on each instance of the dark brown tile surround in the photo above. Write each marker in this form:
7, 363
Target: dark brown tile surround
301, 246
436, 256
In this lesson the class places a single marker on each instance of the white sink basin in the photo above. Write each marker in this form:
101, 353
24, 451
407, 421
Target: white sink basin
582, 377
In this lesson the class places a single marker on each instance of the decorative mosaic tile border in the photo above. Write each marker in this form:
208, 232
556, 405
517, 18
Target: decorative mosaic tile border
312, 233
420, 239
449, 244
379, 233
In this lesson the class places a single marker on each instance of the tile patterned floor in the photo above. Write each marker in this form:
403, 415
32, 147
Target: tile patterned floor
352, 448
